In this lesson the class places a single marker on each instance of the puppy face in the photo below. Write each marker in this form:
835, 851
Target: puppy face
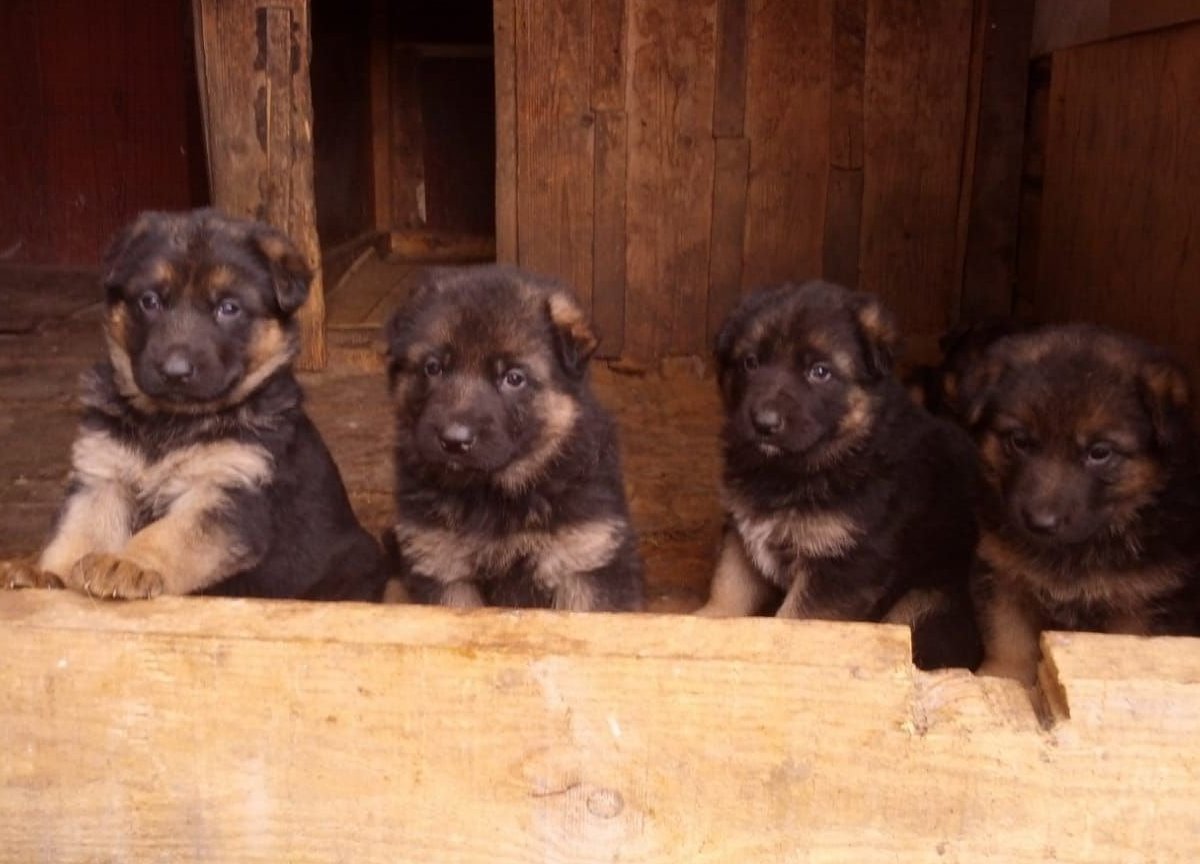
199, 309
1077, 427
484, 364
799, 366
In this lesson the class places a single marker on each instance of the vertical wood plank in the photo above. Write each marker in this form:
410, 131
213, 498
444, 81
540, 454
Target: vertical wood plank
504, 27
989, 268
843, 198
255, 60
608, 271
787, 122
917, 58
1033, 163
381, 116
407, 141
843, 226
729, 108
608, 54
730, 181
555, 142
669, 101
1120, 238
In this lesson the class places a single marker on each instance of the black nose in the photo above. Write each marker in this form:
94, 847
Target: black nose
457, 438
177, 367
1043, 520
767, 421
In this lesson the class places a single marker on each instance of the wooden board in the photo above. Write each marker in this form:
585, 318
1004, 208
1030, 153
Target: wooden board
217, 730
787, 118
917, 58
608, 253
555, 142
669, 104
1120, 218
1066, 23
253, 63
504, 15
731, 173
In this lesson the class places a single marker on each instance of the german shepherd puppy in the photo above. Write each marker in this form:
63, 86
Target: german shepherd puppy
938, 388
1091, 510
843, 499
195, 469
508, 477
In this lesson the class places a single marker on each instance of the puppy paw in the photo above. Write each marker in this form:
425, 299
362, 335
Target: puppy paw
113, 577
26, 574
1022, 671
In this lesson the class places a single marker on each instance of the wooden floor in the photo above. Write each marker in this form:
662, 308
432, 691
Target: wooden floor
368, 292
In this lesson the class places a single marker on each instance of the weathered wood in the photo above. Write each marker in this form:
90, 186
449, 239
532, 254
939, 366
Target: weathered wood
846, 96
731, 175
787, 122
1062, 24
504, 25
843, 226
1120, 233
729, 100
1033, 161
669, 105
608, 254
555, 142
990, 256
254, 59
608, 54
409, 208
381, 116
217, 730
914, 114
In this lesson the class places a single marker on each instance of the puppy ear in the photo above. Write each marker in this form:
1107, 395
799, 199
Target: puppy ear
1165, 392
397, 329
121, 251
971, 392
877, 330
574, 338
289, 270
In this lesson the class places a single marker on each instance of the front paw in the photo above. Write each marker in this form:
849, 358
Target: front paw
113, 577
26, 574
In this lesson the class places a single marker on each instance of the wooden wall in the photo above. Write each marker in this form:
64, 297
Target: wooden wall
666, 156
1118, 226
99, 119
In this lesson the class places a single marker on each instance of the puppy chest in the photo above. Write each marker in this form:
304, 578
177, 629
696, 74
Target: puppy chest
781, 543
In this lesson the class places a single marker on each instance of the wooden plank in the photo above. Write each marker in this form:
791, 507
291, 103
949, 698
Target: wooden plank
1062, 24
381, 116
730, 182
555, 142
258, 119
729, 104
216, 730
504, 24
915, 117
608, 54
846, 96
1033, 161
670, 107
608, 254
990, 255
407, 141
843, 226
1120, 234
788, 124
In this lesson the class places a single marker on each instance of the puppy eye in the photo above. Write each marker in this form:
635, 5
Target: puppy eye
1019, 441
433, 367
1099, 454
514, 379
819, 373
150, 301
228, 309
750, 362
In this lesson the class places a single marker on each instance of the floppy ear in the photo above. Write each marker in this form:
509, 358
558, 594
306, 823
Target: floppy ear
115, 263
1167, 396
396, 332
972, 391
574, 339
877, 330
289, 270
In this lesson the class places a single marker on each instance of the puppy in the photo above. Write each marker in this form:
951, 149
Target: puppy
843, 499
1092, 498
508, 478
937, 388
195, 469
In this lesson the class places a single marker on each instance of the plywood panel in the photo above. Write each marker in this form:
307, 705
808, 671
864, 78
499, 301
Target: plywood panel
669, 103
917, 58
555, 142
787, 122
216, 730
1120, 235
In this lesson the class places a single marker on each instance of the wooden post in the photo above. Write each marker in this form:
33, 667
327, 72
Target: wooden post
252, 58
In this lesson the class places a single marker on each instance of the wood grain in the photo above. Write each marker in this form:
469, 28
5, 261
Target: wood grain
1120, 217
729, 105
1062, 24
787, 122
731, 175
669, 103
504, 25
915, 94
608, 254
555, 142
218, 730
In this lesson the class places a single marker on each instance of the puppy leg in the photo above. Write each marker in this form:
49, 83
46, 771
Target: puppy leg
96, 517
1010, 638
736, 590
944, 631
461, 594
24, 573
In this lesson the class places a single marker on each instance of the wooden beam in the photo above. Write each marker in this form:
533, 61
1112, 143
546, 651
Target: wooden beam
504, 24
381, 115
216, 730
1062, 24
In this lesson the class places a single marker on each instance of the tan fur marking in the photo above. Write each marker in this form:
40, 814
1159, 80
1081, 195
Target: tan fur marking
461, 595
1010, 636
558, 413
218, 279
810, 534
843, 363
856, 422
794, 603
569, 553
568, 317
877, 325
914, 607
736, 590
